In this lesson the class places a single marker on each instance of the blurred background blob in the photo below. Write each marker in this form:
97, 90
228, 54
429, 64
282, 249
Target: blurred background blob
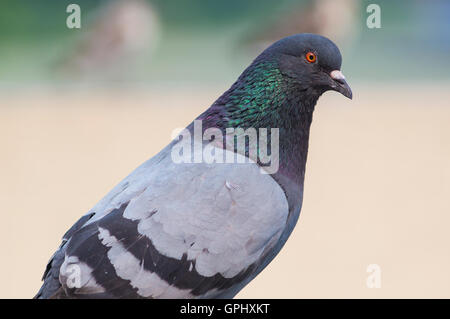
202, 41
80, 108
119, 31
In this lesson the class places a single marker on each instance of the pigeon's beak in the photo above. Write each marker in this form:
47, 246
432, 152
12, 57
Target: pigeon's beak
340, 85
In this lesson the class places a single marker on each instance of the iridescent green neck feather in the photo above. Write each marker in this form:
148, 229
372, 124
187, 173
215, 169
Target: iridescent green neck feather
262, 97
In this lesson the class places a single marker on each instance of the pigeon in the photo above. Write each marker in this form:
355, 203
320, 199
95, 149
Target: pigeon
183, 226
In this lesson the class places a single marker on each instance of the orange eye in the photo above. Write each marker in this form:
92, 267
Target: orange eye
311, 57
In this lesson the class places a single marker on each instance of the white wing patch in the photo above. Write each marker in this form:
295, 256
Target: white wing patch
128, 267
223, 216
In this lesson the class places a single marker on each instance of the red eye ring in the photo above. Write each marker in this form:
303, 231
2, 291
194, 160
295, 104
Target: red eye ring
311, 57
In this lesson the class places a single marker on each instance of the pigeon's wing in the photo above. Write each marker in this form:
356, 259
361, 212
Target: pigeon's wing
176, 231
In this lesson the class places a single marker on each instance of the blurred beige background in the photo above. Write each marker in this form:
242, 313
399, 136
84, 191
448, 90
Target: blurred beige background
377, 184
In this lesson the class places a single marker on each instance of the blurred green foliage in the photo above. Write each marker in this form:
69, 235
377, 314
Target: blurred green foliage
201, 40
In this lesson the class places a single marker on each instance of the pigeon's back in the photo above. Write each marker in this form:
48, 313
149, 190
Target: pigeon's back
168, 230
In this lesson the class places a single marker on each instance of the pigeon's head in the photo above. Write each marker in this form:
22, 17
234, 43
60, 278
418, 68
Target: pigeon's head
312, 61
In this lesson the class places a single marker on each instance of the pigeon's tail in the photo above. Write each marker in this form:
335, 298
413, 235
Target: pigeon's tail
51, 288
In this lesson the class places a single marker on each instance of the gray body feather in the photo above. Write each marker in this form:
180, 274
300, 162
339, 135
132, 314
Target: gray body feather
174, 231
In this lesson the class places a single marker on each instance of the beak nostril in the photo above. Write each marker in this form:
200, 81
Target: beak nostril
337, 76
